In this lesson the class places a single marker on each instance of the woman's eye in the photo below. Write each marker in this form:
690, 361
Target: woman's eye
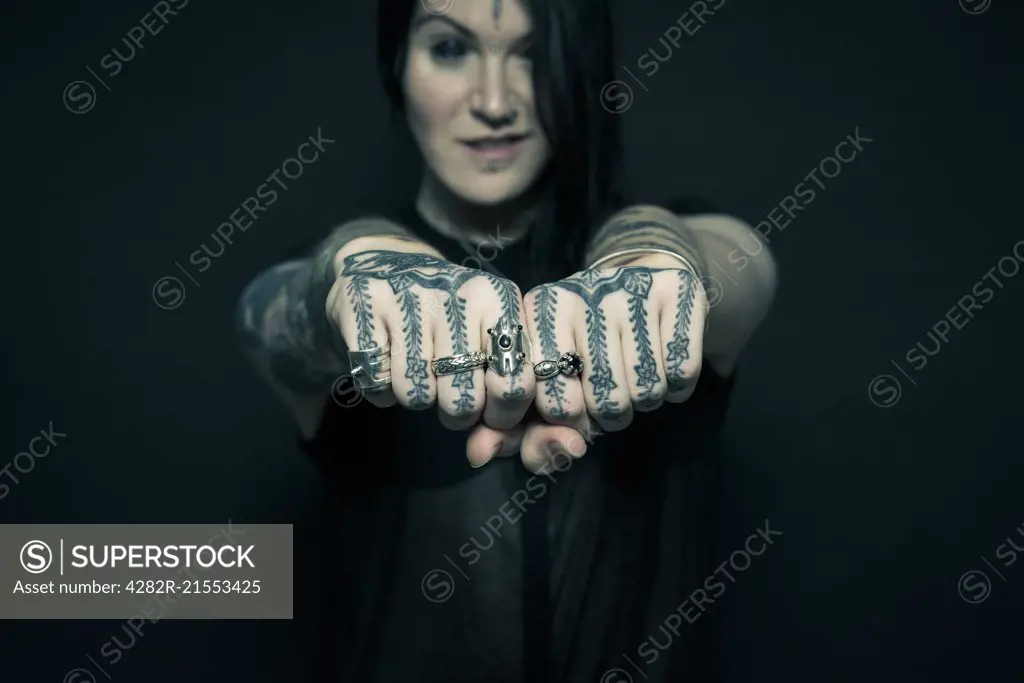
449, 49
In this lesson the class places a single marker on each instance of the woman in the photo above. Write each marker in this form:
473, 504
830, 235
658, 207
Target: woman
568, 568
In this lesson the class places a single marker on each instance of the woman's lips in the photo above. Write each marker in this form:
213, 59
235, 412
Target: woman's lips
496, 150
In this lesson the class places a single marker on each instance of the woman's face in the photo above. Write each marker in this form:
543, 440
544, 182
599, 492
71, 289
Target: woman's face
469, 97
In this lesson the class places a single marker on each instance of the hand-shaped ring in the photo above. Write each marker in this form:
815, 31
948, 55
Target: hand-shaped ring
510, 348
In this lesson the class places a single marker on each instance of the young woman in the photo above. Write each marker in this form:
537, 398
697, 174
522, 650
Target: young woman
574, 567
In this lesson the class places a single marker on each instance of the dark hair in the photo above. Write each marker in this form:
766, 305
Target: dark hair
573, 61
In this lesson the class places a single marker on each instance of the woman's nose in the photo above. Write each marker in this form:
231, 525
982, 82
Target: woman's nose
492, 103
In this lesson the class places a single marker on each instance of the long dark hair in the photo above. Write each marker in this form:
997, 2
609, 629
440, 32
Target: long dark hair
573, 61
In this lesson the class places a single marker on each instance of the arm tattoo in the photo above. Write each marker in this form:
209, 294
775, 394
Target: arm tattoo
276, 332
647, 227
406, 274
281, 318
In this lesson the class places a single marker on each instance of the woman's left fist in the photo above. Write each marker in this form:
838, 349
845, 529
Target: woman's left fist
638, 331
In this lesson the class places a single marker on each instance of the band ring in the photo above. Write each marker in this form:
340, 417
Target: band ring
371, 368
451, 365
569, 364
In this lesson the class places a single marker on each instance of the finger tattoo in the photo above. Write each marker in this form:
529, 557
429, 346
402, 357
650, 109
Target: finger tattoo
544, 319
455, 312
358, 291
592, 287
679, 347
637, 282
403, 271
412, 329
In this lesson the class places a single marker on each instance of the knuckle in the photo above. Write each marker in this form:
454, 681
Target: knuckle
561, 404
457, 407
700, 292
648, 397
460, 397
509, 394
681, 376
618, 400
615, 413
418, 397
530, 298
615, 421
456, 411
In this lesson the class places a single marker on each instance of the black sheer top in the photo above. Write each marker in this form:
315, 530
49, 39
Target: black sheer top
452, 574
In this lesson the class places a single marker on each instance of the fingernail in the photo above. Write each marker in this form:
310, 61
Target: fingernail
577, 447
494, 454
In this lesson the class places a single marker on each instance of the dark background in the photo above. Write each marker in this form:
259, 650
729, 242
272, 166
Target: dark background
883, 509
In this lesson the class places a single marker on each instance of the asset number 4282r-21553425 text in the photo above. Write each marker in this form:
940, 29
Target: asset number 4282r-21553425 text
195, 587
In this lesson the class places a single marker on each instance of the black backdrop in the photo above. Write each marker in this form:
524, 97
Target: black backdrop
883, 508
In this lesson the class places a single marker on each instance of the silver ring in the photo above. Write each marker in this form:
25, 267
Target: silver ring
450, 365
371, 368
510, 348
569, 364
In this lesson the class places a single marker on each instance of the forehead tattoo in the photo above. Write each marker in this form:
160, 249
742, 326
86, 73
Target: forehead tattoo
497, 12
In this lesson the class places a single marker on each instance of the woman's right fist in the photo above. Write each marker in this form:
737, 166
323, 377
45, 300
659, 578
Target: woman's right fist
425, 308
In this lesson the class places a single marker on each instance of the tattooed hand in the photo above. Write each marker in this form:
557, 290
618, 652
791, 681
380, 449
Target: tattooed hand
427, 308
639, 331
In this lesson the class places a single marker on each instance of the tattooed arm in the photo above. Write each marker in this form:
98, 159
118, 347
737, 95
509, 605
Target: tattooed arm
741, 296
646, 227
282, 323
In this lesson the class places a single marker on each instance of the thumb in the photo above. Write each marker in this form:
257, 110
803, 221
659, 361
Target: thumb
542, 443
485, 443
